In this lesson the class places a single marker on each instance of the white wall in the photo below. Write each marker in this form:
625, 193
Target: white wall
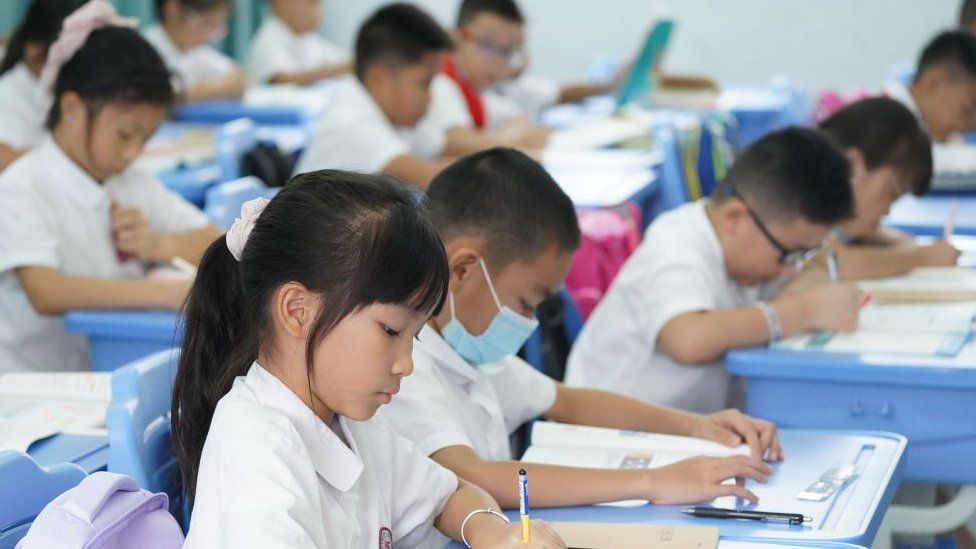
818, 43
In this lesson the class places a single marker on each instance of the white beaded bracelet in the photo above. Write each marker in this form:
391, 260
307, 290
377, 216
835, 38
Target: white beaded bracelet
476, 512
772, 320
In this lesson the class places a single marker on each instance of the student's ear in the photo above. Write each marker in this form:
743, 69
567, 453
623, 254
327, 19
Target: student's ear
73, 108
294, 308
462, 260
377, 76
732, 214
859, 168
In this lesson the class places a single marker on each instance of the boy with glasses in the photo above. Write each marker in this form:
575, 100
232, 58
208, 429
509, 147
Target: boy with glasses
709, 277
183, 36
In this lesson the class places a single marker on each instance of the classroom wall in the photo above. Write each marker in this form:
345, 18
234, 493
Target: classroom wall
818, 43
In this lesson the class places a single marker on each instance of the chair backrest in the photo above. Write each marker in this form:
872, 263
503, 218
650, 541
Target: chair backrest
26, 489
139, 435
233, 139
560, 323
224, 201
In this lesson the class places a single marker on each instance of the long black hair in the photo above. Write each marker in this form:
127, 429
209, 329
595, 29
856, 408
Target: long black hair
115, 65
357, 239
41, 25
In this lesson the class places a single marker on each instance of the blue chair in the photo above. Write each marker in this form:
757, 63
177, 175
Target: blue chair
232, 141
139, 435
27, 488
673, 190
224, 201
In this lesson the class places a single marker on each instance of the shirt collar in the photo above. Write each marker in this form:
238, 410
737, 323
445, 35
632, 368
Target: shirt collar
72, 181
335, 462
433, 344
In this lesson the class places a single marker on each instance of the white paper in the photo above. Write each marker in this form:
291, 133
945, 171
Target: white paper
928, 318
59, 414
598, 133
92, 386
953, 158
926, 279
15, 435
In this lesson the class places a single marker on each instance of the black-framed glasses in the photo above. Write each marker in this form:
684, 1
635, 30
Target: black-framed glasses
786, 255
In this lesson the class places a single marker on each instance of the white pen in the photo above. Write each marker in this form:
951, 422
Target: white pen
832, 271
950, 224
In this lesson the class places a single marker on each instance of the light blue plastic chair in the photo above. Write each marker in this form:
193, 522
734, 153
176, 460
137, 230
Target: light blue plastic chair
224, 201
232, 141
25, 488
139, 434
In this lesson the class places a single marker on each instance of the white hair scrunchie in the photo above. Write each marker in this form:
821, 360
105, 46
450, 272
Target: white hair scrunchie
243, 225
93, 15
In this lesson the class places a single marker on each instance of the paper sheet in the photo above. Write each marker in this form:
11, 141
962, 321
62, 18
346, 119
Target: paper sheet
921, 343
16, 435
598, 133
95, 386
929, 318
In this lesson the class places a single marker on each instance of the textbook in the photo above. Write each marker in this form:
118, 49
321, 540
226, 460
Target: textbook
36, 405
924, 285
936, 329
582, 446
601, 178
601, 535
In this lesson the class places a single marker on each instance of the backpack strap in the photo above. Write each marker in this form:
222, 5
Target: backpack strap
88, 498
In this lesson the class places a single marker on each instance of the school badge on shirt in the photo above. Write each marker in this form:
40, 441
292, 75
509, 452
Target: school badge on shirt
386, 538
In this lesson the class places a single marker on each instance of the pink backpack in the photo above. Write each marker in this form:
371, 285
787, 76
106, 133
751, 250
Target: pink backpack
105, 511
831, 101
609, 237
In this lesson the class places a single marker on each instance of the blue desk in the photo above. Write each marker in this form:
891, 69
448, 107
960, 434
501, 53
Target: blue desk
119, 337
928, 399
90, 452
926, 216
217, 112
183, 157
731, 544
852, 515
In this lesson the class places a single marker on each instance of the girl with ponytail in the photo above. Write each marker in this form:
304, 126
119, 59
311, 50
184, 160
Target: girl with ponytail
299, 326
24, 102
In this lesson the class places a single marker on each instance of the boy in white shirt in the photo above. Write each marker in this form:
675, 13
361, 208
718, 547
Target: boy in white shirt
372, 122
943, 93
183, 36
288, 49
509, 233
707, 278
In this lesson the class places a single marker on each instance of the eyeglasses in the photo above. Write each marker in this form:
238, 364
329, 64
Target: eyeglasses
786, 255
514, 56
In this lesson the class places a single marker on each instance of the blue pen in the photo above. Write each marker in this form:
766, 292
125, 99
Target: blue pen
524, 505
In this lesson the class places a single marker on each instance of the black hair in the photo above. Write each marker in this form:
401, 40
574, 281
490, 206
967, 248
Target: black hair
506, 198
358, 239
195, 5
398, 35
506, 9
115, 65
953, 50
887, 134
967, 14
792, 172
41, 25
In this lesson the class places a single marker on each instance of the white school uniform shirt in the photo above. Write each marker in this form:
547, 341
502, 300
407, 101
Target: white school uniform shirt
189, 67
449, 109
55, 215
449, 402
24, 106
276, 48
678, 268
529, 93
272, 474
354, 134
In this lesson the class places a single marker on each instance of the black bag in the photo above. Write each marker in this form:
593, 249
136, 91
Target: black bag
266, 162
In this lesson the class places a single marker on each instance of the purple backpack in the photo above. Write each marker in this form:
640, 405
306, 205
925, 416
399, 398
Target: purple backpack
105, 511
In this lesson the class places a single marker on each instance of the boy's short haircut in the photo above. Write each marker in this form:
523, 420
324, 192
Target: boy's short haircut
193, 5
398, 35
789, 173
887, 134
967, 14
955, 51
506, 198
506, 9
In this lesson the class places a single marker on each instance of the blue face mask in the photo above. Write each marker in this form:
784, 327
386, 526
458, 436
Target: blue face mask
505, 335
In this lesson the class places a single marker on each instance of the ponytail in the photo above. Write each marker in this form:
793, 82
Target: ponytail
41, 25
218, 345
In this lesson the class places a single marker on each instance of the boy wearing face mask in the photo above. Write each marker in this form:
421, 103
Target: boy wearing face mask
510, 232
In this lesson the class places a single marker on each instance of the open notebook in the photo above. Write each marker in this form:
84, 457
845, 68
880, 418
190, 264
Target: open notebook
939, 329
581, 446
954, 167
601, 178
37, 405
597, 535
925, 285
